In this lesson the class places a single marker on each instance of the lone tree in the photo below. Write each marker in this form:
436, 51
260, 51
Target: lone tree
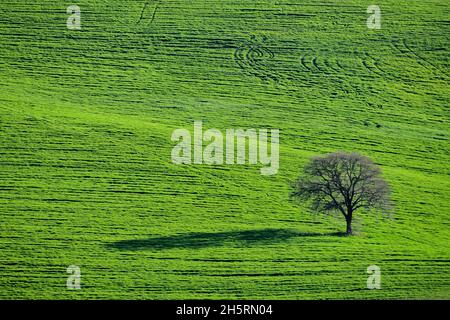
342, 182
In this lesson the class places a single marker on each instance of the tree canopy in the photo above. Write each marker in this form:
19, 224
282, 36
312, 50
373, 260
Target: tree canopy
342, 182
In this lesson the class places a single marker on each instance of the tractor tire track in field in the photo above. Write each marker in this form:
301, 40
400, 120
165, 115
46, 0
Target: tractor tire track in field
372, 65
310, 62
303, 62
149, 8
252, 58
325, 63
316, 64
402, 46
335, 65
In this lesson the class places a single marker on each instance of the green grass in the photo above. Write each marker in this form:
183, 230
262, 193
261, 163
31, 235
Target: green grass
86, 176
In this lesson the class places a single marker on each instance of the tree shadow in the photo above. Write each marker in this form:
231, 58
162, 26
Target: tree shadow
196, 240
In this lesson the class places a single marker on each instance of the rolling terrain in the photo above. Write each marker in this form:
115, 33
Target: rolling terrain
86, 176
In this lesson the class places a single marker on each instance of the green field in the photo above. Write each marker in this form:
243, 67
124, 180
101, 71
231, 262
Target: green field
86, 176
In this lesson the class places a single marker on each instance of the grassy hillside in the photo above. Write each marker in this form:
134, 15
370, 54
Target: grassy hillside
86, 176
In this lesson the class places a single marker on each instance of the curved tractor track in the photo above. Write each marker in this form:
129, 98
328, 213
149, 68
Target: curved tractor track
148, 13
325, 63
404, 47
253, 58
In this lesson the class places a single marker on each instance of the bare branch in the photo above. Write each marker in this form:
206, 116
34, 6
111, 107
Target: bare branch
343, 182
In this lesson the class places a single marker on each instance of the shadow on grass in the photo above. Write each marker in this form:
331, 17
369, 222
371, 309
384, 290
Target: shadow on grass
197, 240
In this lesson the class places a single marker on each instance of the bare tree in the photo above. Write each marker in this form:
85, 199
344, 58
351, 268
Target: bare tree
342, 182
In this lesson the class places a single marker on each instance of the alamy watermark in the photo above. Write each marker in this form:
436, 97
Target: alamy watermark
374, 278
229, 148
74, 21
374, 20
74, 280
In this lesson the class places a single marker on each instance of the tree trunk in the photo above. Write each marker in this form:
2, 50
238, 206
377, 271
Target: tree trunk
349, 225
